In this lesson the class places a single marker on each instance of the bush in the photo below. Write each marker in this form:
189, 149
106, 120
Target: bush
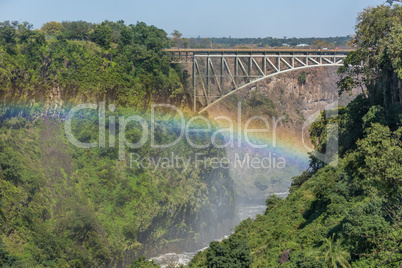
302, 78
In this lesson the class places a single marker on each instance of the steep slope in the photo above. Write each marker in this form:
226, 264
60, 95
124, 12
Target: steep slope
63, 204
345, 213
68, 206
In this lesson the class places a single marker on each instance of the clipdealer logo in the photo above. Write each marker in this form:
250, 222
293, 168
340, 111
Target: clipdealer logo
186, 129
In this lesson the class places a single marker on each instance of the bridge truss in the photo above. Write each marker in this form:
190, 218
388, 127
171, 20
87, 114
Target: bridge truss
218, 73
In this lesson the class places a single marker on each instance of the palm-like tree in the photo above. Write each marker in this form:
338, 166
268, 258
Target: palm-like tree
333, 254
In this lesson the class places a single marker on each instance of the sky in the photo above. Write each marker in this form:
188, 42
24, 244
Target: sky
204, 18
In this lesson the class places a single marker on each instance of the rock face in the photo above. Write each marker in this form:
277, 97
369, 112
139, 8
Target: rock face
289, 95
293, 97
284, 257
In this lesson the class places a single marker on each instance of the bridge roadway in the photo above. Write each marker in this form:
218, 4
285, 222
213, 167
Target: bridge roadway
218, 73
253, 50
183, 52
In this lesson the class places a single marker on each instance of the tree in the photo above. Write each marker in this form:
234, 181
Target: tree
375, 66
381, 152
8, 32
302, 78
141, 262
320, 43
126, 36
24, 31
229, 253
333, 254
272, 202
76, 29
52, 28
176, 39
176, 34
153, 38
102, 35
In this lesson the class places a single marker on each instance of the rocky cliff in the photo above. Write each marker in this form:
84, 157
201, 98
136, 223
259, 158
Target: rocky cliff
293, 97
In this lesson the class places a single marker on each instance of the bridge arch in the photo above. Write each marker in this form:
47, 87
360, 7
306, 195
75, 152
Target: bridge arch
234, 90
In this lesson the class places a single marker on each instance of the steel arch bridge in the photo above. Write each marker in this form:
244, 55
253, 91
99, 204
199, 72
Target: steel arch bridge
218, 73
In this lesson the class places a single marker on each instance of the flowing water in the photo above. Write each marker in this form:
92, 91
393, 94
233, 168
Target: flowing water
175, 259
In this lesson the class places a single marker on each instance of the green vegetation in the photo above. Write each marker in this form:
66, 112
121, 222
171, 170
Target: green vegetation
302, 78
259, 104
348, 215
232, 252
63, 206
52, 28
89, 62
142, 263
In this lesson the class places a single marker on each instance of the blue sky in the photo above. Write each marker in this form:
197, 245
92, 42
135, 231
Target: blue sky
205, 18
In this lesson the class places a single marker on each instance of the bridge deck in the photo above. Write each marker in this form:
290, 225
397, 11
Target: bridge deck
254, 51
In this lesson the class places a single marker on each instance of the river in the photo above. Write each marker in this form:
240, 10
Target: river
244, 212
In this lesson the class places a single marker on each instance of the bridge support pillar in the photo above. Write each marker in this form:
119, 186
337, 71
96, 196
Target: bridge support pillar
194, 89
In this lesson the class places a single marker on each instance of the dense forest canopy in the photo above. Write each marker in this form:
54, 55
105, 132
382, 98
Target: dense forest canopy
124, 63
